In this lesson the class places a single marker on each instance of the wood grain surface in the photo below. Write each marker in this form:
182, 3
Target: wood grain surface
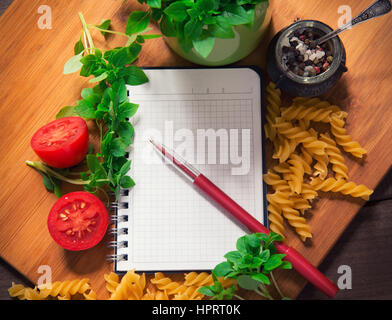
33, 90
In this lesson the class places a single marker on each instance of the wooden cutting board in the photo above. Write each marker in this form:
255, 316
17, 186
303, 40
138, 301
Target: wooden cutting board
33, 89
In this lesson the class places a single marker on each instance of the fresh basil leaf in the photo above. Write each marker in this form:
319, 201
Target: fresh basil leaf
222, 269
87, 92
204, 45
101, 77
236, 15
207, 291
120, 57
47, 182
136, 76
125, 131
273, 262
57, 189
79, 47
133, 51
253, 241
264, 255
247, 283
242, 245
221, 28
261, 278
117, 148
193, 29
127, 110
167, 27
154, 3
105, 25
74, 64
85, 109
127, 182
233, 256
286, 265
68, 111
176, 11
137, 22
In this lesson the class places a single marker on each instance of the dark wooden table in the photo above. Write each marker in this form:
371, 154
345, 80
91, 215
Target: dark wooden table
364, 247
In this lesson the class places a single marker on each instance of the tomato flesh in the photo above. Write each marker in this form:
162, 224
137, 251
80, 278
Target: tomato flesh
78, 221
62, 143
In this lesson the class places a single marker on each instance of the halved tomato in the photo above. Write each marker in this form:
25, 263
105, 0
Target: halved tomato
62, 143
78, 221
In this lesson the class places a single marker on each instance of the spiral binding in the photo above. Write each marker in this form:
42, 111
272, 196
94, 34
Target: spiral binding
115, 218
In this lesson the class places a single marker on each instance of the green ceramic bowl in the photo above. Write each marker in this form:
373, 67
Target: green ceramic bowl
228, 51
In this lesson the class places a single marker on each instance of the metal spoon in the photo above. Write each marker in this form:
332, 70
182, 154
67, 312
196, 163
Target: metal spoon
377, 9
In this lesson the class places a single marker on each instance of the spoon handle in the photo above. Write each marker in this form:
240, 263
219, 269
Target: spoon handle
377, 9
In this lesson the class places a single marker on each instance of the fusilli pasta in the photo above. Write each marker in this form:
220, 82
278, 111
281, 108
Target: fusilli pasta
342, 186
343, 139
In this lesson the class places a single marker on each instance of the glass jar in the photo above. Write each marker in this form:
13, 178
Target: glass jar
228, 51
297, 85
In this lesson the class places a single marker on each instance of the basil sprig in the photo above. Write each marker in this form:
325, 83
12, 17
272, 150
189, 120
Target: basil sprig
251, 265
106, 103
196, 23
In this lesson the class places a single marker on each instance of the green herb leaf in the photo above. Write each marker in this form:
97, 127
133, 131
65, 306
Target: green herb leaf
74, 64
137, 22
273, 262
125, 131
222, 269
193, 29
154, 3
136, 76
118, 147
85, 109
261, 278
236, 15
101, 77
204, 45
167, 27
221, 28
78, 48
246, 282
233, 257
68, 111
207, 291
105, 25
176, 11
126, 182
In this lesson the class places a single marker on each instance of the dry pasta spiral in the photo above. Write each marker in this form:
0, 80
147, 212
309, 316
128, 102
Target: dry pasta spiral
335, 157
302, 136
343, 139
131, 287
275, 217
65, 289
273, 109
198, 279
112, 281
300, 112
296, 175
164, 283
342, 186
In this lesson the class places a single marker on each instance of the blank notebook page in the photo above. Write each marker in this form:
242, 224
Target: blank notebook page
198, 113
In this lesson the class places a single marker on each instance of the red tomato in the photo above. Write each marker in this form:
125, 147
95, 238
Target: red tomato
62, 143
78, 221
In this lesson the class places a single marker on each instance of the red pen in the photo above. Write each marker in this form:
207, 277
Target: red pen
299, 263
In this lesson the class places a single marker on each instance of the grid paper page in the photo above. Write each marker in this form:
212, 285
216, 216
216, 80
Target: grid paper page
172, 226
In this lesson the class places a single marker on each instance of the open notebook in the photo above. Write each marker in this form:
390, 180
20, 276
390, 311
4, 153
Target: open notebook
211, 117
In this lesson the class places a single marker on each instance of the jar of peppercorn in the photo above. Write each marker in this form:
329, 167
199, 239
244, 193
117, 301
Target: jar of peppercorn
298, 66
